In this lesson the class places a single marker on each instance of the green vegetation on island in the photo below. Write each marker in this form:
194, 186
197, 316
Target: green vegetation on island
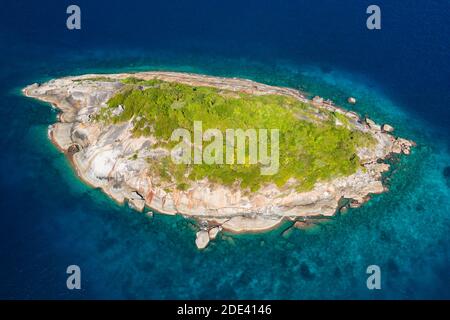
96, 79
315, 144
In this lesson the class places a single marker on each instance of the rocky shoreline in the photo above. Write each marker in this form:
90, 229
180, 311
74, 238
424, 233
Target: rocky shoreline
103, 157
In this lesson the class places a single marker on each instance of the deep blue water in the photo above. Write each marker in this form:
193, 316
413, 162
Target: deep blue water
399, 74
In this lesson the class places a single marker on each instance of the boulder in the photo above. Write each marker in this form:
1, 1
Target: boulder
136, 201
387, 128
202, 239
137, 204
355, 204
351, 100
402, 145
396, 148
318, 99
213, 232
372, 125
149, 214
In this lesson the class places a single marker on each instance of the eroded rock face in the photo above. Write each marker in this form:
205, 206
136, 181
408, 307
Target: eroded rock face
109, 157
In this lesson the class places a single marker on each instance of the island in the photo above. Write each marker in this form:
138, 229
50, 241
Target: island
117, 130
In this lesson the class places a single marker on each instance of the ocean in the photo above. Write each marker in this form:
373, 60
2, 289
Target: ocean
400, 75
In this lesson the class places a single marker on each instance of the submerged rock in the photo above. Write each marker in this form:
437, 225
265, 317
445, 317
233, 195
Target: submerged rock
302, 224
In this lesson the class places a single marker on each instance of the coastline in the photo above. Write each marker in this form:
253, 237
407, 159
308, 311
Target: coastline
244, 225
153, 210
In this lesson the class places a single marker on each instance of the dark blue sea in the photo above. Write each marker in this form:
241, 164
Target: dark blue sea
399, 75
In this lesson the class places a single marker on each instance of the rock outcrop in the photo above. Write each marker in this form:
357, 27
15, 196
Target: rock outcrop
387, 128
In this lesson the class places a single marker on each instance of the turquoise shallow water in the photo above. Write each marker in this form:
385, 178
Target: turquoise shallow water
400, 75
124, 254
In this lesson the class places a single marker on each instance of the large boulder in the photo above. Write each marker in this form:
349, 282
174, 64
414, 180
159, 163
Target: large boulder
318, 100
213, 232
387, 128
351, 100
372, 125
402, 145
202, 239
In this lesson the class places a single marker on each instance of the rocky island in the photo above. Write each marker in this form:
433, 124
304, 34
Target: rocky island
116, 129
